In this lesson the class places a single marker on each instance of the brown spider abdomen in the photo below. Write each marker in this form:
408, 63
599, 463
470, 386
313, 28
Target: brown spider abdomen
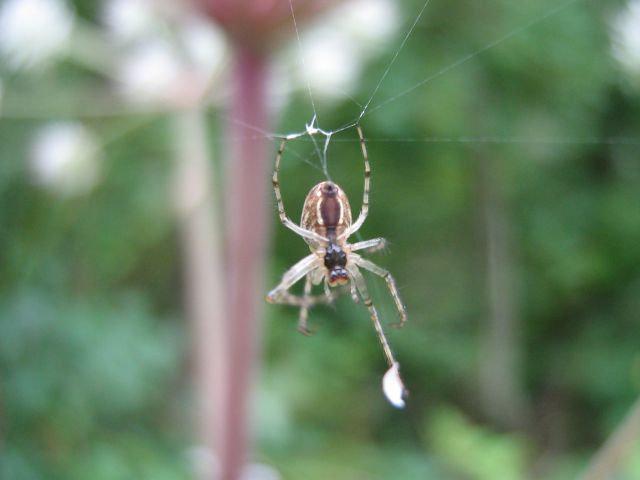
326, 210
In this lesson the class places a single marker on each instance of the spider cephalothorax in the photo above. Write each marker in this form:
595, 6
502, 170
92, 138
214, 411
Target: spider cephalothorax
326, 225
335, 260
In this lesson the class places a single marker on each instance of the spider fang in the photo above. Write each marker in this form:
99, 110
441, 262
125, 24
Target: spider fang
338, 276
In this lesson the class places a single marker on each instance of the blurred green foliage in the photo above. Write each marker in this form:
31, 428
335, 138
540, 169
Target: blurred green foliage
93, 342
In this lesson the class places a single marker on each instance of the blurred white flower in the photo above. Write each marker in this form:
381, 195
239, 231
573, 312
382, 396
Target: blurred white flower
369, 23
65, 158
332, 64
156, 69
393, 387
34, 32
129, 20
205, 45
203, 462
259, 471
336, 47
626, 37
149, 71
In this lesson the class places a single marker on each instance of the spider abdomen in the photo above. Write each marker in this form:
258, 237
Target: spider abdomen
326, 210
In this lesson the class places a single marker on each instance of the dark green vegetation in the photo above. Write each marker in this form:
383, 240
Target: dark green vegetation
518, 260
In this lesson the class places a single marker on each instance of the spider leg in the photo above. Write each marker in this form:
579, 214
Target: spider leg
286, 221
281, 294
304, 268
369, 246
354, 293
287, 298
391, 283
304, 309
327, 289
364, 211
361, 286
308, 300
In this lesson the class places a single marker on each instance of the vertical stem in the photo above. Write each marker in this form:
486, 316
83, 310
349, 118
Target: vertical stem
3, 425
247, 217
501, 395
197, 210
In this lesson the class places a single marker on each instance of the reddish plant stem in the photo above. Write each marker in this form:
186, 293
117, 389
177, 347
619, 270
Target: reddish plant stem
260, 23
247, 218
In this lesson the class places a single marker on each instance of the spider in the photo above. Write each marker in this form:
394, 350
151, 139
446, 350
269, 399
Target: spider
325, 226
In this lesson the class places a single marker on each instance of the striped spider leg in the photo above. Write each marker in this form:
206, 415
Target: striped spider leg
326, 225
309, 268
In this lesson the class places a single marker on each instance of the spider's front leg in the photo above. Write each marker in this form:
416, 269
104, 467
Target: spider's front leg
361, 286
307, 267
391, 383
304, 309
281, 294
354, 293
369, 246
391, 284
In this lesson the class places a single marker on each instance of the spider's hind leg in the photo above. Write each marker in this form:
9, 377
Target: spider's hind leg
280, 294
286, 221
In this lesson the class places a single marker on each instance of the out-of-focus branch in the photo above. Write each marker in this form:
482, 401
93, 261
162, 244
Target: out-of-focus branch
2, 422
198, 210
501, 396
605, 463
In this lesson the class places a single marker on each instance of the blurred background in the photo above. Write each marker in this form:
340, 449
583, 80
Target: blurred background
135, 142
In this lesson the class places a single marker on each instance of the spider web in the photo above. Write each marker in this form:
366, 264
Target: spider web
321, 137
313, 130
